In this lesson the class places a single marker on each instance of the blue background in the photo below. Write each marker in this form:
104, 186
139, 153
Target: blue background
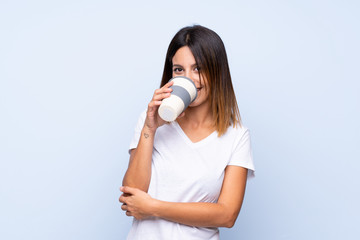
75, 75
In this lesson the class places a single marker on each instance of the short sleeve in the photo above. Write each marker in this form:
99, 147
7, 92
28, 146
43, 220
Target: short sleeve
137, 131
242, 153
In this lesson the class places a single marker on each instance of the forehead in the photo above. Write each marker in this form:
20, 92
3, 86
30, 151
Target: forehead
184, 56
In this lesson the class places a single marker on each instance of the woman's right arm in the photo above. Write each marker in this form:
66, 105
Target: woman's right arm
138, 173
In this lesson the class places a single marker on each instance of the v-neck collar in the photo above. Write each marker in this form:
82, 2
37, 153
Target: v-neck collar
187, 139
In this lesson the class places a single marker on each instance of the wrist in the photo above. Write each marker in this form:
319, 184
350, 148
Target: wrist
155, 206
148, 131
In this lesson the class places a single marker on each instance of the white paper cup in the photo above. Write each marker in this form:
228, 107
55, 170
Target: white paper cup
184, 92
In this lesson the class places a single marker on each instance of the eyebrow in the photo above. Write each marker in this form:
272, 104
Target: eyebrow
178, 65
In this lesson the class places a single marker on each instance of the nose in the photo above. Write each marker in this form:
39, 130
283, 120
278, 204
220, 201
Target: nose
193, 76
188, 75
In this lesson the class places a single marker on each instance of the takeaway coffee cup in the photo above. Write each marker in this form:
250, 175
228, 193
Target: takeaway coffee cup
183, 93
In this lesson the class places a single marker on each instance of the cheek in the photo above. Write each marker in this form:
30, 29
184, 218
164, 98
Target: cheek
204, 92
202, 95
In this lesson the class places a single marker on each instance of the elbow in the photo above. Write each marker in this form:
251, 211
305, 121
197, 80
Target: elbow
230, 219
230, 223
229, 215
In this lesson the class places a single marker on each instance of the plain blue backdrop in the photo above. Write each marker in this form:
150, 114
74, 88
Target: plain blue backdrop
75, 75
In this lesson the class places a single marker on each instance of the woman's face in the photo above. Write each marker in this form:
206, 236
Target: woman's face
184, 64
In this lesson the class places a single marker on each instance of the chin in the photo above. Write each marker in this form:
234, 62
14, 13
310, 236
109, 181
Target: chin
193, 104
196, 103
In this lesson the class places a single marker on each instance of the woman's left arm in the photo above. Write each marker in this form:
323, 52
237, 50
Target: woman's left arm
200, 214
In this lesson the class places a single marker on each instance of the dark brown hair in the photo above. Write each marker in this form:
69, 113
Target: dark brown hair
210, 56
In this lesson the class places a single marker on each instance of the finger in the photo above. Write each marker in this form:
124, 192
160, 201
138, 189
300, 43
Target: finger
129, 190
124, 194
128, 213
161, 96
153, 104
169, 84
157, 91
124, 207
162, 91
122, 199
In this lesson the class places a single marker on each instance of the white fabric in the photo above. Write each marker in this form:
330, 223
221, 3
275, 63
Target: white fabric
183, 171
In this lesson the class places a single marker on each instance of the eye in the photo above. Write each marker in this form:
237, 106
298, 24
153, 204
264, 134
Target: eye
177, 70
197, 69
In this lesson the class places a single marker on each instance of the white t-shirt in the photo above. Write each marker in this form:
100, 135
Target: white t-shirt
183, 171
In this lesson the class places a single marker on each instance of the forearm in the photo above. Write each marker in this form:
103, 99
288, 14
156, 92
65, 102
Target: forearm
141, 205
138, 173
199, 214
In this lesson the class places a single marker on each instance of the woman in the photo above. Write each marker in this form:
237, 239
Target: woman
187, 178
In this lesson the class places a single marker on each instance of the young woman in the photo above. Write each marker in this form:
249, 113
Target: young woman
187, 178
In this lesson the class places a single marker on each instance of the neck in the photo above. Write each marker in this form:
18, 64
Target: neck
199, 116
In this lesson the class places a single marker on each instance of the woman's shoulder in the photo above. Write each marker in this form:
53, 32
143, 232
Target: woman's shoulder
235, 133
142, 116
237, 130
140, 121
